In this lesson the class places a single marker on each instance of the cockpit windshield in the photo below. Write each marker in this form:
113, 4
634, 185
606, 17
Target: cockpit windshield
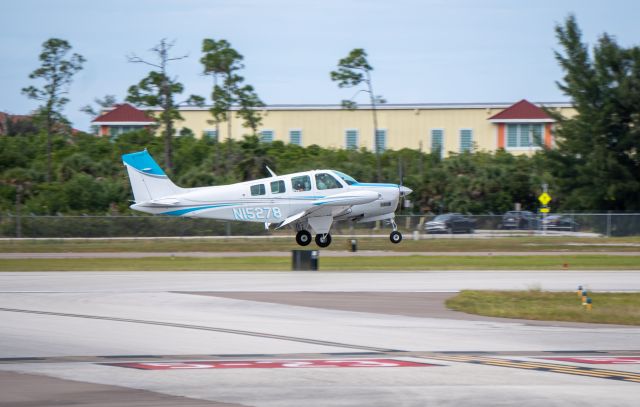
349, 180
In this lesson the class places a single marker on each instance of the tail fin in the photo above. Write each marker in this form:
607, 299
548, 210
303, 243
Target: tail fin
148, 181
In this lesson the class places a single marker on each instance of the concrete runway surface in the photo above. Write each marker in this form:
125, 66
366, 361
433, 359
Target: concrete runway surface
302, 339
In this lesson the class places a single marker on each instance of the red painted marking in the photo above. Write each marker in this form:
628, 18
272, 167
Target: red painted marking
601, 360
270, 364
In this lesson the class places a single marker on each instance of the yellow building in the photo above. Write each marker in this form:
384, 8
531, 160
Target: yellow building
453, 127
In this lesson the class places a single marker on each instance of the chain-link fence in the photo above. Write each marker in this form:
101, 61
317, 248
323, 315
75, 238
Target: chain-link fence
604, 224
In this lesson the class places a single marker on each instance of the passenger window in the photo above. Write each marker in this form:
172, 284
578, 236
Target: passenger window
326, 181
277, 187
301, 183
258, 190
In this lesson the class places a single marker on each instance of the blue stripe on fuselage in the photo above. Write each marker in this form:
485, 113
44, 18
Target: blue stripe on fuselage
366, 184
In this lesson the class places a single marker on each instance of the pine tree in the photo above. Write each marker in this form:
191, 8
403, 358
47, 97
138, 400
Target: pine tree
57, 72
596, 162
158, 89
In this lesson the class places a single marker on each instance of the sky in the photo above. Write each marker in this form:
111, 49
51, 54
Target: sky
422, 51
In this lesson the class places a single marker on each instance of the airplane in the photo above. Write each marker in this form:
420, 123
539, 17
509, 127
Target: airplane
309, 201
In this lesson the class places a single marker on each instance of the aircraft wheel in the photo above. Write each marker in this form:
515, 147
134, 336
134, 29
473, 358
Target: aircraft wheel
303, 238
395, 237
323, 240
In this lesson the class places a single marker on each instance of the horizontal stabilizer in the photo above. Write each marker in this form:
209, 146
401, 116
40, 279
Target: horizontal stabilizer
165, 202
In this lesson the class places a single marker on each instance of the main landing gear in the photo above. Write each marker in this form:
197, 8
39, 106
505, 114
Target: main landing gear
323, 240
395, 236
303, 238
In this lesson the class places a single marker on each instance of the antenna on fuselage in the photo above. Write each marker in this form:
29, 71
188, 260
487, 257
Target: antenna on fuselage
273, 174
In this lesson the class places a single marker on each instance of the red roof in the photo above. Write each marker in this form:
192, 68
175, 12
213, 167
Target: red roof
124, 113
523, 110
14, 117
5, 118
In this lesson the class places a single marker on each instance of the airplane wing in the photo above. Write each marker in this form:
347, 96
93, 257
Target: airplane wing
347, 199
292, 219
333, 204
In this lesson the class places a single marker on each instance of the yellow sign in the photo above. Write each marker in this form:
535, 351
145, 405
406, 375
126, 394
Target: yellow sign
544, 198
544, 210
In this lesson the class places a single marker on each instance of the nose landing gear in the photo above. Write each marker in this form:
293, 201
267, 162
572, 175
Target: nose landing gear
395, 236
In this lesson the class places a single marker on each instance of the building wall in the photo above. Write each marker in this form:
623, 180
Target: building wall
406, 127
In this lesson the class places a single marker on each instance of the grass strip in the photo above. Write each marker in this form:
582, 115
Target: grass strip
408, 263
608, 308
441, 244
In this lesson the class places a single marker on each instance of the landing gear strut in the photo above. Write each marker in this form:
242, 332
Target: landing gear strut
395, 236
303, 238
323, 240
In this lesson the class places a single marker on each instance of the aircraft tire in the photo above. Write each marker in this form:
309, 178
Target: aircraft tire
395, 237
303, 238
323, 242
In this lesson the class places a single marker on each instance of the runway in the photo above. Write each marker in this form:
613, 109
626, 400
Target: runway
302, 338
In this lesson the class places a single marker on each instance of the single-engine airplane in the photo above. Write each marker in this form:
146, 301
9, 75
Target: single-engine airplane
306, 201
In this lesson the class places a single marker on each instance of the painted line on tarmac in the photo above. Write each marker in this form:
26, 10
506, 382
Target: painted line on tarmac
612, 354
270, 364
543, 367
204, 328
600, 360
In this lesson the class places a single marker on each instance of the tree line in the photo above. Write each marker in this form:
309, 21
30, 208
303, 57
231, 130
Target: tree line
88, 175
595, 165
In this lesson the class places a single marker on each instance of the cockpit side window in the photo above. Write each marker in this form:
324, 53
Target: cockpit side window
258, 190
277, 187
326, 181
349, 180
301, 183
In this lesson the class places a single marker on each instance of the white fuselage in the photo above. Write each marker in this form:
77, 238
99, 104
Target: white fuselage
273, 200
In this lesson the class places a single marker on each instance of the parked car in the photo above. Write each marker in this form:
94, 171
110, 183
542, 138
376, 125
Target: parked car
519, 220
560, 222
451, 223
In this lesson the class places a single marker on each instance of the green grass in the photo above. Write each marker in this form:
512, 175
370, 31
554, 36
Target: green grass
608, 308
440, 245
407, 263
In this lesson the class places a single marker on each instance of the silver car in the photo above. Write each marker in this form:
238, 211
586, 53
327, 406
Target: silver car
450, 223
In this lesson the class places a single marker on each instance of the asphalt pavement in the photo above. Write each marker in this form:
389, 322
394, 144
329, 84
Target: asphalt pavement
302, 338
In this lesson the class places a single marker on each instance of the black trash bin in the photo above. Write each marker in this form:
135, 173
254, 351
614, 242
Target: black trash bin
304, 260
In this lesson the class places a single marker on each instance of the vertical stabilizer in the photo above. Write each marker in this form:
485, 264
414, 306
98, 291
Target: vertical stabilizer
148, 181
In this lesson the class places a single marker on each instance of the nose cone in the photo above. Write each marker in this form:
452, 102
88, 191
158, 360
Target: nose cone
404, 191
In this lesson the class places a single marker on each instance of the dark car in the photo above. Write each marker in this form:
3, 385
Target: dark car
560, 222
519, 220
450, 223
